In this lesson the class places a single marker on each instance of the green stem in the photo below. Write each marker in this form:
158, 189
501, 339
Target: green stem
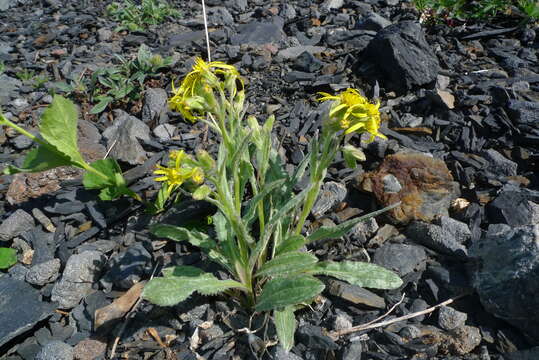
309, 203
22, 131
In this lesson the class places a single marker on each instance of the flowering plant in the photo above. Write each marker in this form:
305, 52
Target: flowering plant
258, 226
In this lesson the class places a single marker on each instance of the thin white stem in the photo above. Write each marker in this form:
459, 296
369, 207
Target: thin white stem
206, 30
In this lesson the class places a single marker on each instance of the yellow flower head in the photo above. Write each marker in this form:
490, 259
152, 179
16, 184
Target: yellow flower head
351, 112
196, 88
179, 170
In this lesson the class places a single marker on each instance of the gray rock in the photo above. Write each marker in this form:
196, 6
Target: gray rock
104, 34
17, 223
506, 277
355, 294
164, 131
373, 22
20, 308
353, 351
434, 237
125, 133
219, 15
10, 87
391, 184
185, 39
402, 54
5, 4
44, 272
22, 142
512, 207
401, 258
258, 33
313, 337
449, 318
364, 230
498, 164
458, 229
81, 271
155, 102
55, 350
295, 51
332, 4
331, 194
523, 112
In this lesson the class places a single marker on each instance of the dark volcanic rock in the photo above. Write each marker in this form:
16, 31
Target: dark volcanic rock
402, 54
401, 258
55, 350
129, 267
436, 238
123, 136
512, 207
506, 276
20, 308
258, 33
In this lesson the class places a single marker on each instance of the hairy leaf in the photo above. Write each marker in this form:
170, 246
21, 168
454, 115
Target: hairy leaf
177, 233
285, 324
101, 105
359, 273
40, 159
201, 192
281, 292
59, 127
291, 243
8, 257
288, 264
335, 232
182, 270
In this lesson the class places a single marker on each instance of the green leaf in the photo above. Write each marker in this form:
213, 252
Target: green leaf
201, 192
288, 264
108, 167
59, 127
183, 270
101, 105
285, 324
292, 243
168, 291
335, 232
282, 292
40, 159
250, 213
8, 257
359, 273
177, 233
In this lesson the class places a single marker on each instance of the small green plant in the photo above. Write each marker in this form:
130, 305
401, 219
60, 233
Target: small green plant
39, 81
135, 17
124, 82
58, 147
25, 75
8, 258
258, 227
2, 67
530, 8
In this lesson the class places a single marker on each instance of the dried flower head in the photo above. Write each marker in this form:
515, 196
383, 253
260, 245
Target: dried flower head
353, 112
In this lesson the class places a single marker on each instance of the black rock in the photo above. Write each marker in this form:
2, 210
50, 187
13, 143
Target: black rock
331, 194
511, 207
401, 258
258, 33
55, 350
449, 318
125, 134
129, 267
20, 308
434, 237
498, 164
506, 276
307, 62
402, 54
312, 337
373, 22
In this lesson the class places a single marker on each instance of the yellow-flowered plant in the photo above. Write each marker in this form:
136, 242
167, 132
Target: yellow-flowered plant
258, 225
353, 112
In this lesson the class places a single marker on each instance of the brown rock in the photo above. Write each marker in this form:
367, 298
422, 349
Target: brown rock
89, 349
425, 187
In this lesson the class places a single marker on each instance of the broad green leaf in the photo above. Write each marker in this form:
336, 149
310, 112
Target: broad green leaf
8, 257
168, 291
359, 273
182, 270
335, 232
176, 233
59, 127
108, 167
282, 292
201, 192
285, 324
288, 264
40, 159
101, 105
292, 243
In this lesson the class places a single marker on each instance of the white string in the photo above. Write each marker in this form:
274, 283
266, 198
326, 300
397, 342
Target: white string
206, 30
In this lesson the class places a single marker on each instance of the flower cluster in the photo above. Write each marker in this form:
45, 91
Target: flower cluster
353, 112
195, 96
180, 169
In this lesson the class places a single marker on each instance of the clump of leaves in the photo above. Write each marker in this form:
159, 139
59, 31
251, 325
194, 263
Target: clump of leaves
258, 227
8, 258
25, 75
135, 17
124, 82
436, 10
57, 146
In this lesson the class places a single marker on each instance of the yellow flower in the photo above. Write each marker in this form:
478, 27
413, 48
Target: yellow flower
196, 87
180, 169
353, 112
171, 176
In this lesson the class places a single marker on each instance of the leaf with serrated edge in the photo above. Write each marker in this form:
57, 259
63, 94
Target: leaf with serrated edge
281, 292
59, 127
335, 232
288, 264
177, 233
285, 324
359, 273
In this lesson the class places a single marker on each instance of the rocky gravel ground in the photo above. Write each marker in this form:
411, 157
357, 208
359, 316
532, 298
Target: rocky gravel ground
461, 111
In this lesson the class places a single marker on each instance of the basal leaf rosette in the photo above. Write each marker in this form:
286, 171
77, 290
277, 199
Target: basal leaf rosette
352, 112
